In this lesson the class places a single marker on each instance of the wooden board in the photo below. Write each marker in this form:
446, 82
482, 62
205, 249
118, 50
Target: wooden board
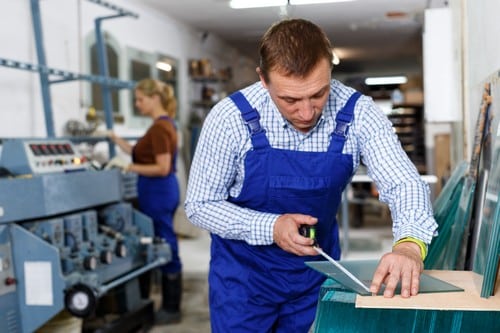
468, 300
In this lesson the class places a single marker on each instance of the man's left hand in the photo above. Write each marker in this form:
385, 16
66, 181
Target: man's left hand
402, 264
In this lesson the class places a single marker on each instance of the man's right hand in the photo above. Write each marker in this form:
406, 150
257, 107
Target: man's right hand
286, 234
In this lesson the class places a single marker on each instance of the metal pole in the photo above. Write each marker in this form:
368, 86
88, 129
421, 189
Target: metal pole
105, 288
44, 75
104, 71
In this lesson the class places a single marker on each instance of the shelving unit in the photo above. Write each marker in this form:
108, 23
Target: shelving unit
408, 123
207, 87
206, 92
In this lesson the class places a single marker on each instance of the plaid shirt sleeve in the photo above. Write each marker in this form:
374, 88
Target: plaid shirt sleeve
214, 169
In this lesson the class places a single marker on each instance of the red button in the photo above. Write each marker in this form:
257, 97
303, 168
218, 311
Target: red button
10, 281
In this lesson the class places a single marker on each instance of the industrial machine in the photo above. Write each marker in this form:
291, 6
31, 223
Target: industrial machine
68, 236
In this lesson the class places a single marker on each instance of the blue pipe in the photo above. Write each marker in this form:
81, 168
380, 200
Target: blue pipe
44, 75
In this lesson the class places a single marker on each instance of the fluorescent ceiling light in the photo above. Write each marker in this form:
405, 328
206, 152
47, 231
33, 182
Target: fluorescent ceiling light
383, 80
310, 2
163, 66
336, 59
239, 4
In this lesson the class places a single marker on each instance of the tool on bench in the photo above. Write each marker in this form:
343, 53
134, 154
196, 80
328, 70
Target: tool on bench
310, 232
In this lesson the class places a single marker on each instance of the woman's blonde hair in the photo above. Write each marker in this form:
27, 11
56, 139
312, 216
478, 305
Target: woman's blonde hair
151, 87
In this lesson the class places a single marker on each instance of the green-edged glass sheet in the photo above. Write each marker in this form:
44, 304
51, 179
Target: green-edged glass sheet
488, 245
446, 209
487, 254
364, 270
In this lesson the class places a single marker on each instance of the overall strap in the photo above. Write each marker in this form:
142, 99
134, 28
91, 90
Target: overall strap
343, 121
251, 118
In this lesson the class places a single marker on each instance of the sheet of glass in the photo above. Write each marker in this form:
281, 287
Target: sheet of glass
445, 208
364, 270
487, 246
454, 184
457, 245
487, 234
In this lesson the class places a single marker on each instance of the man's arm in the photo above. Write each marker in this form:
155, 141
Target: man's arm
401, 187
215, 169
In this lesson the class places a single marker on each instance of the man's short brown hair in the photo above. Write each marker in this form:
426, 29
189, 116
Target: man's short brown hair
293, 47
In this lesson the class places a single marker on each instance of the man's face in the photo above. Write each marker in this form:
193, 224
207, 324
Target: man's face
301, 100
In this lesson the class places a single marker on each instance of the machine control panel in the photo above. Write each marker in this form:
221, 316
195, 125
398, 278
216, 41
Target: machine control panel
40, 156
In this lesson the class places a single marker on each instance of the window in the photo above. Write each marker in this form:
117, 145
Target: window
96, 89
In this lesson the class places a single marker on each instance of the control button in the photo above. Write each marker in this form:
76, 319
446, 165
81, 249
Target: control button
90, 263
10, 281
121, 250
106, 257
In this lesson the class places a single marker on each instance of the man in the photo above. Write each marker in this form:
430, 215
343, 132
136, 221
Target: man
277, 155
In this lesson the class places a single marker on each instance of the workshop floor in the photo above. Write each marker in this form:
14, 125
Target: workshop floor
364, 243
195, 256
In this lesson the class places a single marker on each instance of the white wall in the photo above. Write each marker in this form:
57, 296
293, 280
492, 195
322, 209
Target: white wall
481, 57
66, 24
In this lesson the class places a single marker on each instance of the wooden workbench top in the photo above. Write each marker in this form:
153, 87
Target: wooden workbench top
468, 300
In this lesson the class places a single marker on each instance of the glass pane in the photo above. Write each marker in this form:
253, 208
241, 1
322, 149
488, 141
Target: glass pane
445, 212
112, 58
487, 245
139, 70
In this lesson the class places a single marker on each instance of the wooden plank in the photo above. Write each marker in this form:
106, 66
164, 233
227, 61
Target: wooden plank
468, 300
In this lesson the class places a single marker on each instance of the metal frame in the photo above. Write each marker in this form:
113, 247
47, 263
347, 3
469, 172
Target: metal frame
64, 76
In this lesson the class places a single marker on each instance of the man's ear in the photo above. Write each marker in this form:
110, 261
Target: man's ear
261, 77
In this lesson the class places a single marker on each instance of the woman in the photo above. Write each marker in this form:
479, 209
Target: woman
153, 159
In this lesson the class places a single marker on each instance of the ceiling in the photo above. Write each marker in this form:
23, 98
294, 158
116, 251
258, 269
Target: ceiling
370, 36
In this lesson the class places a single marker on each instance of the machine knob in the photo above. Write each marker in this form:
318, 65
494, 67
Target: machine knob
80, 300
121, 250
10, 281
106, 257
90, 263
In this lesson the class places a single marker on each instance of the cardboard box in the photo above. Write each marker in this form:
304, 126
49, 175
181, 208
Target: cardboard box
414, 97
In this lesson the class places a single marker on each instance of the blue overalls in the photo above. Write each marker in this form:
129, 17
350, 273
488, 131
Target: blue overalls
158, 198
263, 288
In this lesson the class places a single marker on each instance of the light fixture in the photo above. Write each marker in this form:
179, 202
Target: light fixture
385, 80
311, 2
163, 66
240, 4
336, 59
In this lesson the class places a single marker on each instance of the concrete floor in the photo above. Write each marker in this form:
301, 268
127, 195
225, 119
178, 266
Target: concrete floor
195, 256
364, 243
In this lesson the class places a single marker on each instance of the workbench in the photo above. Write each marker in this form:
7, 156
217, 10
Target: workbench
340, 310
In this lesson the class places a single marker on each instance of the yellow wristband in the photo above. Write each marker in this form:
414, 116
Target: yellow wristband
421, 244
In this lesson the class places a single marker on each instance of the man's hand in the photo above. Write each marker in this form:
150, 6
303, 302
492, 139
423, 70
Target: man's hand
403, 264
286, 234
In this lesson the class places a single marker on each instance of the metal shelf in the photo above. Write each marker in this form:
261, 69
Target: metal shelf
66, 76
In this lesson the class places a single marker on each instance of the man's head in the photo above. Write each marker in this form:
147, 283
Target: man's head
296, 63
293, 47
